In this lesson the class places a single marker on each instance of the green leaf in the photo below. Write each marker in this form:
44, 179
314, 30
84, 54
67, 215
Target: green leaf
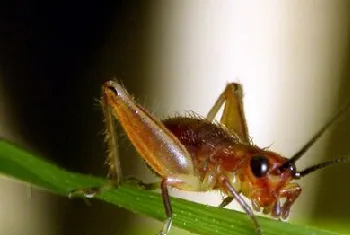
196, 218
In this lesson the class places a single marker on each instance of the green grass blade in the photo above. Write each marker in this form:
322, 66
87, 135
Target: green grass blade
197, 218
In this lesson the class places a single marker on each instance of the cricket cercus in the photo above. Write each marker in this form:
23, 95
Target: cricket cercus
198, 154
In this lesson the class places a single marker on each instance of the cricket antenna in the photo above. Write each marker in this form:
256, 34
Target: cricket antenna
311, 142
298, 175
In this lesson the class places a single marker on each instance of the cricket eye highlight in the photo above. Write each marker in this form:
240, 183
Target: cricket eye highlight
259, 165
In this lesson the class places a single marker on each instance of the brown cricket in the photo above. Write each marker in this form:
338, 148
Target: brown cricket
199, 154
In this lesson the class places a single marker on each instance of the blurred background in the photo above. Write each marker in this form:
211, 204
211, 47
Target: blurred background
292, 58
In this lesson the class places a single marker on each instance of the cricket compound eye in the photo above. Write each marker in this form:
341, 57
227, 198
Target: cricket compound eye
259, 165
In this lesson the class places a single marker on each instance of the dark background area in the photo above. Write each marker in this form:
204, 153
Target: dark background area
54, 57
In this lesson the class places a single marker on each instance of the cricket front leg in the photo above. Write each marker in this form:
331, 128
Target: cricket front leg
233, 117
290, 193
228, 188
227, 200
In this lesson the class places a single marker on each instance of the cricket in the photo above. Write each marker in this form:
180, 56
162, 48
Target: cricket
195, 153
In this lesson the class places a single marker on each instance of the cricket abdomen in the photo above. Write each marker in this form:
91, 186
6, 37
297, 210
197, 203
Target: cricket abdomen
212, 148
198, 132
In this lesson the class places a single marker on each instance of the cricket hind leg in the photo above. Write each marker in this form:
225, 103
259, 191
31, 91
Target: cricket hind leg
114, 174
153, 141
233, 117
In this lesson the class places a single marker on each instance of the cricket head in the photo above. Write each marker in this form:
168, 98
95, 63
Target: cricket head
270, 188
268, 180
